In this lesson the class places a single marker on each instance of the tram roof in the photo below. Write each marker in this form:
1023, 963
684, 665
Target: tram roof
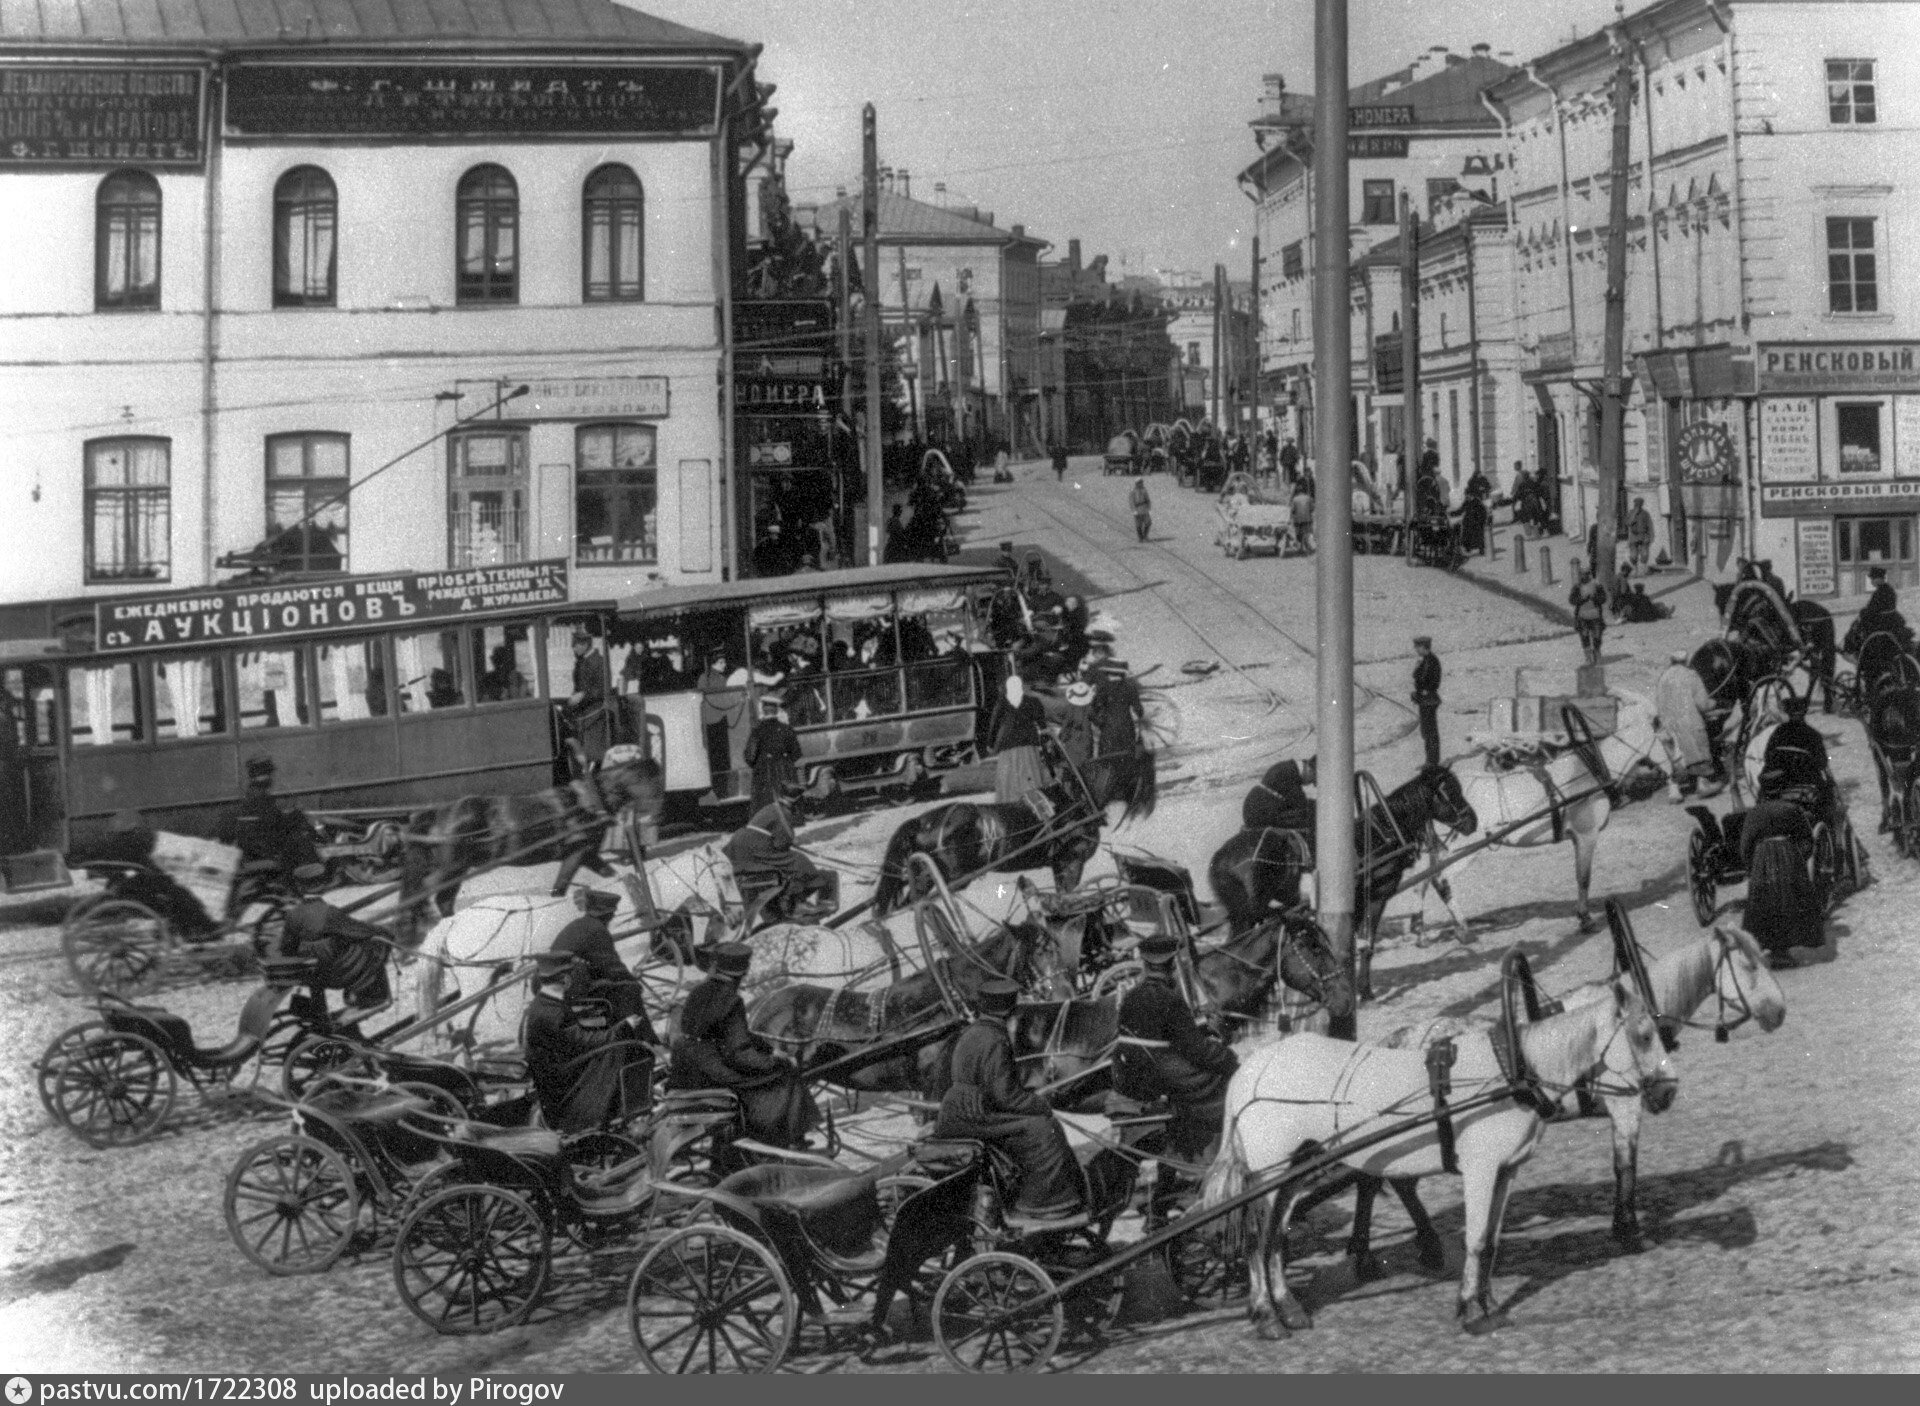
677, 600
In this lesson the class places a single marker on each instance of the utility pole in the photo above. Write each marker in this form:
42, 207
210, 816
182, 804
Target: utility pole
843, 292
1219, 379
1410, 437
1333, 506
870, 281
1252, 397
1613, 407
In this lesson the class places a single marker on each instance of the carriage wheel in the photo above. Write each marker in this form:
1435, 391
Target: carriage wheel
1116, 980
115, 1091
599, 1152
709, 1299
64, 1048
311, 1059
116, 948
1700, 874
472, 1259
1906, 817
980, 1325
1826, 864
1200, 1267
291, 1205
663, 979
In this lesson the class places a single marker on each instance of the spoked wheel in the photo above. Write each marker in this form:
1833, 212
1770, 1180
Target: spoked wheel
65, 1047
600, 1152
1700, 860
1826, 864
1200, 1267
311, 1059
291, 1205
115, 1091
472, 1259
116, 948
663, 979
710, 1299
981, 1321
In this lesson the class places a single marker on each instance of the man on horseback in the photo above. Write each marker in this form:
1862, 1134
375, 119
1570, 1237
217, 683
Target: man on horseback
986, 1101
763, 854
716, 1050
1163, 1051
578, 1063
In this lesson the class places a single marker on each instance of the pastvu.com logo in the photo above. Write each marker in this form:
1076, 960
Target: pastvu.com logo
19, 1391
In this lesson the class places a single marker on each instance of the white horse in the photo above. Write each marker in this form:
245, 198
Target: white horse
1307, 1091
1727, 964
1504, 794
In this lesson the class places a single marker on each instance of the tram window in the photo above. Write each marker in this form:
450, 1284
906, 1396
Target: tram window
36, 704
940, 683
187, 698
859, 696
103, 706
273, 688
861, 644
352, 676
806, 701
502, 661
784, 652
429, 671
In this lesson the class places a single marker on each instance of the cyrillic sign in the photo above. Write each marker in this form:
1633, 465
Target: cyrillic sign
1389, 115
69, 115
1365, 144
1840, 366
186, 619
1815, 499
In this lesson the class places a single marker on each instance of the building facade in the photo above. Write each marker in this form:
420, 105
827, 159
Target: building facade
297, 286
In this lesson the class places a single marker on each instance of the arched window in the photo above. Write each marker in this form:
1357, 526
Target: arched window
126, 251
613, 237
305, 216
488, 211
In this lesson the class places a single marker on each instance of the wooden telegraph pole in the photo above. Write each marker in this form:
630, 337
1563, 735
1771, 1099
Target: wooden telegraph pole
1333, 506
843, 292
1411, 440
870, 284
1613, 407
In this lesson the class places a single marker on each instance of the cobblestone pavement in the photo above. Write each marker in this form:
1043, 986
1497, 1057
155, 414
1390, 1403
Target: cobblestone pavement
1781, 1195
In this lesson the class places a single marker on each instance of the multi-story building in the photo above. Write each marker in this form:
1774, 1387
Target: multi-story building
1773, 338
332, 287
1421, 131
1212, 331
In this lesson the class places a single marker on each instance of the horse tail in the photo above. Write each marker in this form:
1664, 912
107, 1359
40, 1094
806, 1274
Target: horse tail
1226, 1178
893, 869
1144, 794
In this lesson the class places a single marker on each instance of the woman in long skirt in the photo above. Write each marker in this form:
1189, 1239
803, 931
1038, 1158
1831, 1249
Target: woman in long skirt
1783, 907
1014, 733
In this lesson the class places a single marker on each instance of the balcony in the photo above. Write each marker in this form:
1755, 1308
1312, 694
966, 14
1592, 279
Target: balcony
483, 535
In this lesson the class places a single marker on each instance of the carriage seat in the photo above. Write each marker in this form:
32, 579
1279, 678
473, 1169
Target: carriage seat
156, 1023
942, 1157
698, 1103
838, 1211
542, 1143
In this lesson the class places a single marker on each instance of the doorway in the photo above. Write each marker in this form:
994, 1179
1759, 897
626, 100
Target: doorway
1862, 543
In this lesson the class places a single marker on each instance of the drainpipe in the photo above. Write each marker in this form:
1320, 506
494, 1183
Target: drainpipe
209, 337
1568, 442
1513, 232
1473, 347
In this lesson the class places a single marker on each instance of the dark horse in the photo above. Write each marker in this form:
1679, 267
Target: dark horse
1258, 869
965, 838
818, 1024
1893, 732
568, 823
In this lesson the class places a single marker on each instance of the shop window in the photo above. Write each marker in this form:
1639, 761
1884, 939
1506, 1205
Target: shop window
305, 216
273, 688
616, 495
129, 509
187, 698
1859, 429
487, 497
428, 670
1853, 276
126, 249
1850, 92
1377, 202
613, 230
103, 706
503, 664
307, 483
353, 680
487, 210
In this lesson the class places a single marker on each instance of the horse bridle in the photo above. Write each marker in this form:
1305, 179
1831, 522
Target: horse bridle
1722, 1028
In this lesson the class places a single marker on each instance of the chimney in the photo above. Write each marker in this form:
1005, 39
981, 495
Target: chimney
1273, 90
886, 178
902, 175
1073, 255
1481, 51
1019, 231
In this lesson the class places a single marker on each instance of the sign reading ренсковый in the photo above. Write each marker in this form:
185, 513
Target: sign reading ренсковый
496, 100
94, 115
226, 614
1839, 366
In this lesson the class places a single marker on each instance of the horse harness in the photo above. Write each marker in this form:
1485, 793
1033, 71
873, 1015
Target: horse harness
1524, 1086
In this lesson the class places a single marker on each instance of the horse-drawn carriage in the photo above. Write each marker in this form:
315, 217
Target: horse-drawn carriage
1714, 849
1123, 454
1434, 540
1250, 521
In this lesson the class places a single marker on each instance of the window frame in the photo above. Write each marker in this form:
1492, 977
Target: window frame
341, 486
479, 191
90, 494
1369, 191
515, 483
616, 482
1846, 112
1293, 259
106, 212
1853, 254
289, 201
605, 212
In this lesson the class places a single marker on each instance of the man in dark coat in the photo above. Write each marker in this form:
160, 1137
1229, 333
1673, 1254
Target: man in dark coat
1118, 711
1796, 758
716, 1050
763, 849
1060, 463
1880, 614
587, 704
579, 1064
1279, 801
985, 1101
352, 955
1163, 1050
264, 830
1289, 460
773, 751
1426, 695
601, 974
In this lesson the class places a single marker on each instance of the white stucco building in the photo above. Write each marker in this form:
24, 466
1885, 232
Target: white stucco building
262, 258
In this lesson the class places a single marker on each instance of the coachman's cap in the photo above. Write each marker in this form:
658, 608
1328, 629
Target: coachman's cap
998, 997
1876, 573
1679, 656
732, 959
1426, 640
1160, 949
259, 767
598, 903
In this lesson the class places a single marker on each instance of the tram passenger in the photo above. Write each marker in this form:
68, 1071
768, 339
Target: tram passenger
1164, 1052
578, 1064
985, 1101
716, 1050
263, 829
503, 680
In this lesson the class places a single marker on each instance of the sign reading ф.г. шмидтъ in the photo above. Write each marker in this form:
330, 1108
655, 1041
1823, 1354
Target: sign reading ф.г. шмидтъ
187, 618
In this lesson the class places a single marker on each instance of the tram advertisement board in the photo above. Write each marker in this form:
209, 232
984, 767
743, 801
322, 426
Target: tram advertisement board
180, 619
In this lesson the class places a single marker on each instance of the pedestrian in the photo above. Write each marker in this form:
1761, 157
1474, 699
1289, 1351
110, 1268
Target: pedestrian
1430, 460
1302, 512
1639, 534
1142, 505
1589, 600
1289, 461
1059, 462
1426, 695
1683, 703
1014, 733
773, 751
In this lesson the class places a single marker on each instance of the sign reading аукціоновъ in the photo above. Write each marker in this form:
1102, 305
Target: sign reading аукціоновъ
463, 100
182, 619
93, 115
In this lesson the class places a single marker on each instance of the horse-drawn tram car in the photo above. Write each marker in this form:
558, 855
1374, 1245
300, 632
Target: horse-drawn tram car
886, 673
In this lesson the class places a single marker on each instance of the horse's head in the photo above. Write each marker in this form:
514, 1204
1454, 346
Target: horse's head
1447, 800
1744, 982
1310, 966
627, 776
1634, 1056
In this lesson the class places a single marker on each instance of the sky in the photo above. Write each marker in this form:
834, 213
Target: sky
1121, 123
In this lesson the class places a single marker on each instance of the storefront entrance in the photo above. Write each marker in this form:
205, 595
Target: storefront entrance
1861, 543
